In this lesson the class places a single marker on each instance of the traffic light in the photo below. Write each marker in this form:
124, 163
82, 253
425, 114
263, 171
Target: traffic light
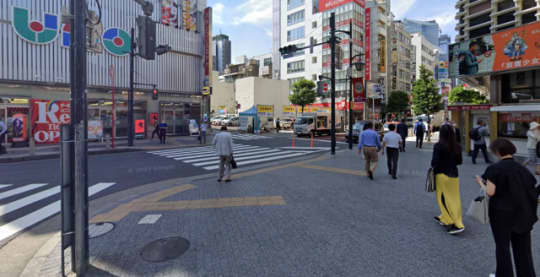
287, 50
155, 94
322, 88
147, 37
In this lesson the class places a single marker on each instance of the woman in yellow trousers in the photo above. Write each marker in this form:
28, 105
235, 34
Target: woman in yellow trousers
446, 157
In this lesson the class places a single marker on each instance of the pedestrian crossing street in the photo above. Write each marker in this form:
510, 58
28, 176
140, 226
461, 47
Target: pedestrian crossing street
206, 158
22, 206
248, 137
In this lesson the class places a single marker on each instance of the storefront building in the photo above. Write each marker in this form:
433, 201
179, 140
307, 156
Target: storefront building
509, 70
34, 68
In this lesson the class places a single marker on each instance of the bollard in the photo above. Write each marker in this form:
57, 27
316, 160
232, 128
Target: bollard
67, 173
311, 142
293, 140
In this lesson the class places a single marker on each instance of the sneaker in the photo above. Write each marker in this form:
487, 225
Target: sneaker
455, 230
228, 180
438, 220
394, 177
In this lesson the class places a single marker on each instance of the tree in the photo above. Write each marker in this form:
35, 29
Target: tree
303, 93
398, 102
469, 96
426, 97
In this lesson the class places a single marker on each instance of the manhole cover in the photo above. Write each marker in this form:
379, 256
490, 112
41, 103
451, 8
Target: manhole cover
99, 229
164, 249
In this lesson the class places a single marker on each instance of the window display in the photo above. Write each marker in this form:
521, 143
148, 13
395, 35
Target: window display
516, 124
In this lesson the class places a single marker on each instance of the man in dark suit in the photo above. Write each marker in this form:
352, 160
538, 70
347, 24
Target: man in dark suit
403, 131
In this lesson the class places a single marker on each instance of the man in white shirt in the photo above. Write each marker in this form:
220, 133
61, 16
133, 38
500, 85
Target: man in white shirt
392, 142
224, 149
203, 132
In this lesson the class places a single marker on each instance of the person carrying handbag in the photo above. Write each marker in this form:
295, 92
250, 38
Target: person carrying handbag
224, 149
512, 210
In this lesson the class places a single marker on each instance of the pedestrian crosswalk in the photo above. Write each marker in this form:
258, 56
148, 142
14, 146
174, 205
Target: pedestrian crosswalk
248, 137
206, 158
22, 206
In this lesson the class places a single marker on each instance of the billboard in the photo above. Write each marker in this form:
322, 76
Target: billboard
358, 89
265, 110
47, 116
506, 50
325, 5
169, 13
368, 44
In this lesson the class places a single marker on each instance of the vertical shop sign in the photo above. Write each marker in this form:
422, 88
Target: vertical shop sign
358, 89
368, 44
207, 42
47, 116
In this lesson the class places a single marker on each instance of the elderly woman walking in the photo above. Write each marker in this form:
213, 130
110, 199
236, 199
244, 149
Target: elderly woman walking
533, 137
512, 210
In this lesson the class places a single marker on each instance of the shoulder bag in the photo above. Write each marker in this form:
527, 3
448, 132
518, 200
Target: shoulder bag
430, 180
479, 208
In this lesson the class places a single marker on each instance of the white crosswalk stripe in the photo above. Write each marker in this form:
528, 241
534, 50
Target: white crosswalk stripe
4, 186
206, 158
248, 137
40, 211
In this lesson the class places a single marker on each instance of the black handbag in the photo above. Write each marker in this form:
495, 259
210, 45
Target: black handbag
233, 162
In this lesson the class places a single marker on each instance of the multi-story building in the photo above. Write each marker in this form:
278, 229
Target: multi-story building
429, 29
276, 38
444, 43
300, 21
243, 59
222, 52
502, 37
427, 54
480, 17
242, 70
38, 78
265, 65
402, 58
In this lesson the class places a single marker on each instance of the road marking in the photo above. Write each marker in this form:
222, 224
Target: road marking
5, 185
192, 150
150, 219
15, 205
20, 190
179, 157
213, 157
306, 148
260, 160
209, 150
255, 155
30, 219
334, 170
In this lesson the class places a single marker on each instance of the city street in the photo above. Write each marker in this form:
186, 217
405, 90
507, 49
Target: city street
314, 216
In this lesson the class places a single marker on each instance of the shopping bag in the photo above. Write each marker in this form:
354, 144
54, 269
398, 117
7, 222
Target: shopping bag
233, 163
479, 208
430, 181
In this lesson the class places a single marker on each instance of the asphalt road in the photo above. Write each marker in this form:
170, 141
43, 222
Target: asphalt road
33, 186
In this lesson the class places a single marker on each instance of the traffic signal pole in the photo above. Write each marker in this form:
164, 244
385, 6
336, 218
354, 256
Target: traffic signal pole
333, 81
131, 130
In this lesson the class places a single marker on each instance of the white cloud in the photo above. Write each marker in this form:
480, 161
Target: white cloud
254, 12
268, 32
401, 7
217, 15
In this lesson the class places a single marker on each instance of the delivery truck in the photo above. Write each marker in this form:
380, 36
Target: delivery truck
316, 123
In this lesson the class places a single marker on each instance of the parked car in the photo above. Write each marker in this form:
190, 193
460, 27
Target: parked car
230, 121
358, 127
286, 123
193, 127
217, 120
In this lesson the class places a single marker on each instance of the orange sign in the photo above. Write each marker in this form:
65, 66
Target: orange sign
139, 126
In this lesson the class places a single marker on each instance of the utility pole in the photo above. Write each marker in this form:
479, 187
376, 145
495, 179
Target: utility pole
79, 125
350, 86
131, 131
333, 81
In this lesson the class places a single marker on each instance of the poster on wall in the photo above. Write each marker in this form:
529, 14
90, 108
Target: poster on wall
95, 129
140, 127
154, 118
506, 50
189, 10
47, 117
19, 124
169, 13
358, 89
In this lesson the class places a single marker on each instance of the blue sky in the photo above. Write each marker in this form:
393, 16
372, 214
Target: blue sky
248, 23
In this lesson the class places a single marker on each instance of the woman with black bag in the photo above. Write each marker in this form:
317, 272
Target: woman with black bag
446, 157
512, 210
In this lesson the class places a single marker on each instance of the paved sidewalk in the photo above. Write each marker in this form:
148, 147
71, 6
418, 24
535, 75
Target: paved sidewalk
52, 151
319, 217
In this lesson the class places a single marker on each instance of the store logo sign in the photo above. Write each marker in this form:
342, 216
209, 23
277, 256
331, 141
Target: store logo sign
35, 31
117, 41
66, 35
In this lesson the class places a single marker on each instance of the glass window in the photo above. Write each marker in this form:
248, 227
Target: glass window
267, 61
291, 4
314, 24
295, 18
516, 125
521, 87
294, 67
313, 59
295, 34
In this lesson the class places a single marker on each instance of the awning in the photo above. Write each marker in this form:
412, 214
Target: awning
517, 108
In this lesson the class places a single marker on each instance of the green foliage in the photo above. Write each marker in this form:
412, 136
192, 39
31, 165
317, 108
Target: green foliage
426, 97
303, 93
398, 102
462, 95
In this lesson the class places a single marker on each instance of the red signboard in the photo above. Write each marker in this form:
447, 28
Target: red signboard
358, 89
368, 44
207, 41
139, 126
47, 116
154, 118
325, 5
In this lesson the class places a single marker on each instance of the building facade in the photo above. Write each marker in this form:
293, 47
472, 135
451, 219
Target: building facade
265, 65
402, 58
276, 39
481, 17
34, 69
444, 43
427, 54
222, 52
501, 36
429, 29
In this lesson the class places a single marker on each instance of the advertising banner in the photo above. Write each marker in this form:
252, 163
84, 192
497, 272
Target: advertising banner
189, 9
325, 5
507, 50
154, 118
358, 89
382, 54
289, 110
368, 44
265, 110
47, 116
207, 39
169, 13
140, 127
95, 129
443, 70
19, 123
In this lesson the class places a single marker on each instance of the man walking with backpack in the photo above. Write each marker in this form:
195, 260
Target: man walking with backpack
403, 131
477, 135
419, 130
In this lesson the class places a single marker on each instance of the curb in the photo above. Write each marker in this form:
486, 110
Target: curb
33, 268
